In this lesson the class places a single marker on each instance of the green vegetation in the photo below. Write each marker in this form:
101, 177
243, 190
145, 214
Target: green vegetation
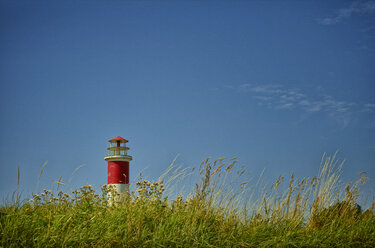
220, 211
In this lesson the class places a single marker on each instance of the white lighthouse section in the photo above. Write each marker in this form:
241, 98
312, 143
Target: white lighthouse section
118, 191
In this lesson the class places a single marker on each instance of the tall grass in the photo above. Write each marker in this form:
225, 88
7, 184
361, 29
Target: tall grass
219, 209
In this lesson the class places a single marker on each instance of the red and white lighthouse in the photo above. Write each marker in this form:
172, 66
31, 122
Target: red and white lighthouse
118, 165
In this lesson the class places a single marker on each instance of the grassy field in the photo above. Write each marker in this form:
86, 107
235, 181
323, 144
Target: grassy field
220, 210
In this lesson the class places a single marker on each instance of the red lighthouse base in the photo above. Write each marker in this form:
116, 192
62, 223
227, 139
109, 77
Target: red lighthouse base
118, 172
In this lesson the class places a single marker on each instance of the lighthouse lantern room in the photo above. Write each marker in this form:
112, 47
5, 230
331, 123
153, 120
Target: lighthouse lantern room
118, 166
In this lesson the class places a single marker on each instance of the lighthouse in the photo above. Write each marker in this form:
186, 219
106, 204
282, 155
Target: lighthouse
118, 167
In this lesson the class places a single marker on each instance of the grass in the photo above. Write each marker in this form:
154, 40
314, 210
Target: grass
220, 210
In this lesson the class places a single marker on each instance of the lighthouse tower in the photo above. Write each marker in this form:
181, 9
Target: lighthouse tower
118, 166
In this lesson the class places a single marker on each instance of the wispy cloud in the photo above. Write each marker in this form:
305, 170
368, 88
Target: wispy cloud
357, 7
281, 98
369, 107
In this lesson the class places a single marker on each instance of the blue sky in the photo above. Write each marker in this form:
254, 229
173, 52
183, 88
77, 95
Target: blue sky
275, 83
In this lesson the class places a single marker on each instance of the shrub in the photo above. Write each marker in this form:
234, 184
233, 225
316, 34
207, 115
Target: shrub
342, 212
